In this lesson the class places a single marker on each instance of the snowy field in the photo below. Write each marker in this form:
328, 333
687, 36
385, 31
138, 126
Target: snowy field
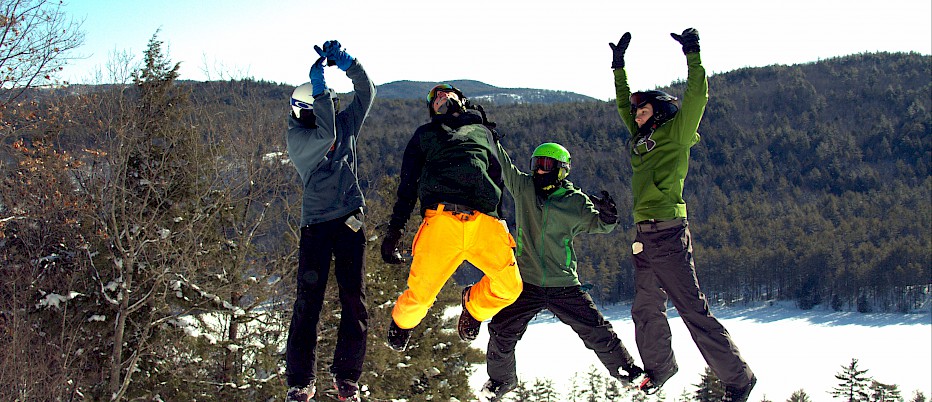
788, 349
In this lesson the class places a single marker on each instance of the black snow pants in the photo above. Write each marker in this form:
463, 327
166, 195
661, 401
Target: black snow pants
319, 244
573, 307
664, 267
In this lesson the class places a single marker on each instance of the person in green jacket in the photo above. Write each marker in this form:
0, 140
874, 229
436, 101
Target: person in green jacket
549, 212
663, 134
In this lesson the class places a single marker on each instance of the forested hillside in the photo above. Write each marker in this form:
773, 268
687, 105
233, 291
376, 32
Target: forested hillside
811, 182
150, 225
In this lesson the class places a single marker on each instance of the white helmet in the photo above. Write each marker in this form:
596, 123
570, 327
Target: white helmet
301, 99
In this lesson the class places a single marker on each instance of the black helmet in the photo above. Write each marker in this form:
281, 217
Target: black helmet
663, 103
443, 88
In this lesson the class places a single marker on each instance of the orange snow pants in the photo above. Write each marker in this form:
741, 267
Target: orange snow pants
446, 239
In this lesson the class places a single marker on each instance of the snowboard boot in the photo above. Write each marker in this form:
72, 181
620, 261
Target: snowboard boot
468, 327
298, 394
347, 390
741, 394
651, 383
493, 390
631, 376
398, 337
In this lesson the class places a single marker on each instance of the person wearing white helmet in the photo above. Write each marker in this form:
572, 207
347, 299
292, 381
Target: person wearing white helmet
322, 145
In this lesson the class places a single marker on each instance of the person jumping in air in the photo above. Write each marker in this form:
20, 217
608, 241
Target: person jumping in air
663, 134
550, 212
322, 144
450, 166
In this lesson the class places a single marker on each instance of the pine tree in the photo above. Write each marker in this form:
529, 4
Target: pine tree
523, 392
854, 384
544, 391
596, 388
881, 392
613, 389
799, 396
918, 396
686, 396
710, 388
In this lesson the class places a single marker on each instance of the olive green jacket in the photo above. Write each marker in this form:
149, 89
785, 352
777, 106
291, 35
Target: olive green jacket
660, 160
546, 227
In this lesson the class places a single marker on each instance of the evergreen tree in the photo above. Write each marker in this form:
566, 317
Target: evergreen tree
710, 388
523, 392
918, 396
799, 396
854, 384
881, 392
596, 387
544, 391
686, 396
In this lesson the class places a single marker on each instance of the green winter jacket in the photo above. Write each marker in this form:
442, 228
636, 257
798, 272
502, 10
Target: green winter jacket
545, 227
662, 158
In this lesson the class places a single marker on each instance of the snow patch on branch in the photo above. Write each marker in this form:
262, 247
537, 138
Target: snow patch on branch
54, 300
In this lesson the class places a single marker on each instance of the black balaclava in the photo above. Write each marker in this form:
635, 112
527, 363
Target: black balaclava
307, 118
546, 183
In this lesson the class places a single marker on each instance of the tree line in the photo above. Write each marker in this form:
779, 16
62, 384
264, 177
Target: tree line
854, 385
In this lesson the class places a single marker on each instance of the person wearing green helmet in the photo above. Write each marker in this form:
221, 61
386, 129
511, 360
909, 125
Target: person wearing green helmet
549, 213
663, 133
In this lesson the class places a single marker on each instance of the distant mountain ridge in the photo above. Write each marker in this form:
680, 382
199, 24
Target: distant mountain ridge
478, 90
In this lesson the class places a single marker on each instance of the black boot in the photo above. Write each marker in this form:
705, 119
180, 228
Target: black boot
347, 390
741, 394
630, 375
468, 327
652, 382
398, 337
493, 390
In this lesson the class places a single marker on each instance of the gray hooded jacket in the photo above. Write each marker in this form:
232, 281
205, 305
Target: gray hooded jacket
325, 156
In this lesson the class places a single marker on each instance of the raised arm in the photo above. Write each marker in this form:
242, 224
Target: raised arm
363, 89
622, 90
686, 124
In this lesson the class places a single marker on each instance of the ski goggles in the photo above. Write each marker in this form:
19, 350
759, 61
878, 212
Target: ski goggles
640, 99
437, 89
546, 164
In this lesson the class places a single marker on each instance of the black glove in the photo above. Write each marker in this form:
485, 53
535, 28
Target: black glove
390, 252
606, 207
689, 39
618, 51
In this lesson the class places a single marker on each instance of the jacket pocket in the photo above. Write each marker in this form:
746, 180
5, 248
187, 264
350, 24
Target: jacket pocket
417, 236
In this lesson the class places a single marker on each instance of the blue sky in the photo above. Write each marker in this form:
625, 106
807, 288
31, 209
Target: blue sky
506, 43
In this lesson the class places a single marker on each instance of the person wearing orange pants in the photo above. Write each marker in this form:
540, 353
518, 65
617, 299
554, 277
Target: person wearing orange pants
444, 240
451, 167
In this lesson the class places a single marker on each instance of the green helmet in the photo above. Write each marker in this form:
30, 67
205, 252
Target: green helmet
550, 155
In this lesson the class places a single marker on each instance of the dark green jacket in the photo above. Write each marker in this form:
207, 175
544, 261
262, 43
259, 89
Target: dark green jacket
547, 226
450, 159
663, 161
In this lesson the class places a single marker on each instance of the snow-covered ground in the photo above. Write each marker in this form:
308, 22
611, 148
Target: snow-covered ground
788, 349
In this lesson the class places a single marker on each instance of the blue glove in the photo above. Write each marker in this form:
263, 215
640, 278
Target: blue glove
317, 77
334, 53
